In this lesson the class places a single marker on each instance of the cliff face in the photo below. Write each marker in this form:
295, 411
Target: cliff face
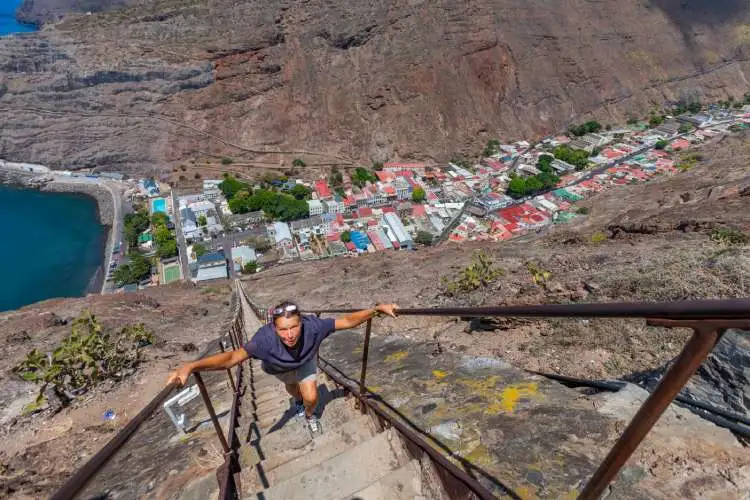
352, 82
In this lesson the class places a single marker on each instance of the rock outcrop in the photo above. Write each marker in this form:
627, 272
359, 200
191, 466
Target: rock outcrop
265, 82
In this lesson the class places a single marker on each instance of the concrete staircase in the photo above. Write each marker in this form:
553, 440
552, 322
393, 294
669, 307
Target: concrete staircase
353, 458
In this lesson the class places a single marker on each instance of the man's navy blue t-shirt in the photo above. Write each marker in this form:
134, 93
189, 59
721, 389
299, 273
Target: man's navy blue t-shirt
277, 357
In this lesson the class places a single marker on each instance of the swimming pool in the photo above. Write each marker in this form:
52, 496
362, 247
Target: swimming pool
159, 205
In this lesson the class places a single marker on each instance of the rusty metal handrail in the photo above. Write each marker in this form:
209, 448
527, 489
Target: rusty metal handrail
366, 402
687, 309
709, 319
82, 476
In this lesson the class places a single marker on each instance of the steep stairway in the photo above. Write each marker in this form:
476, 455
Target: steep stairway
353, 458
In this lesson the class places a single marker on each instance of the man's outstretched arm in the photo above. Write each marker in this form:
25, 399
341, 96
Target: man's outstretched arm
219, 361
357, 318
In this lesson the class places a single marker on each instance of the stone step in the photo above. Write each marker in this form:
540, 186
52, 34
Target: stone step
283, 464
401, 484
343, 474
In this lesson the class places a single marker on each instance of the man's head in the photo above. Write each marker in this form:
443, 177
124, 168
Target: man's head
287, 323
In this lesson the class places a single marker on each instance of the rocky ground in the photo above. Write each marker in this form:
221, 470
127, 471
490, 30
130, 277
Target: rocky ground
151, 86
42, 449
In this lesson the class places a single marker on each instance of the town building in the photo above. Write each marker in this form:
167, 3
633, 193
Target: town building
211, 266
398, 230
315, 207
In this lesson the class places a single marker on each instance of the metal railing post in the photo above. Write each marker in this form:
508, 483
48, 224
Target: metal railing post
363, 375
211, 412
229, 372
695, 351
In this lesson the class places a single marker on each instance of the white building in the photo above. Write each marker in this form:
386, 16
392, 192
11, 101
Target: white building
402, 188
201, 207
398, 229
334, 206
281, 234
315, 207
243, 255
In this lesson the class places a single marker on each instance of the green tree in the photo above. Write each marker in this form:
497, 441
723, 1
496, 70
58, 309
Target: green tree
346, 236
301, 192
202, 220
231, 186
298, 163
661, 144
492, 148
418, 194
544, 163
361, 176
250, 268
517, 187
227, 160
199, 250
685, 128
423, 238
162, 235
159, 219
134, 224
695, 107
655, 121
167, 249
576, 157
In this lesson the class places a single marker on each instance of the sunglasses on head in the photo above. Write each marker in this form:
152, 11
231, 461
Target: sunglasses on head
281, 310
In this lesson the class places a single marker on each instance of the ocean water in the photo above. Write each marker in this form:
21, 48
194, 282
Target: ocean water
52, 245
8, 23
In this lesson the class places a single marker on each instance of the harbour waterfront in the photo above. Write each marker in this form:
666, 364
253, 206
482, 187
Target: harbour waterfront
8, 22
53, 246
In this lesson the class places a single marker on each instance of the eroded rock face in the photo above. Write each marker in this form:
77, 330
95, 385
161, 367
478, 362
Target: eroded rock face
351, 82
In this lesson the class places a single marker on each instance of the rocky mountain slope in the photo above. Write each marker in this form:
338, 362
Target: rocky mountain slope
156, 84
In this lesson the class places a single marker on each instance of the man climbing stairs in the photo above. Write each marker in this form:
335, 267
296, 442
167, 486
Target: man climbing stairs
354, 457
351, 458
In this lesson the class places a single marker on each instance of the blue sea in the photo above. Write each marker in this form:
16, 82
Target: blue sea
52, 245
8, 23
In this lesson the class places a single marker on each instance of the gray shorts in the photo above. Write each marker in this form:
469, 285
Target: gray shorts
306, 372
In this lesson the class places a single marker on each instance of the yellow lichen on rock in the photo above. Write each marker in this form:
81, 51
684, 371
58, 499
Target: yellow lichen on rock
396, 356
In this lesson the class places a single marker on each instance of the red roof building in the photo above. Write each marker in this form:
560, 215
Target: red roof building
418, 211
385, 176
321, 187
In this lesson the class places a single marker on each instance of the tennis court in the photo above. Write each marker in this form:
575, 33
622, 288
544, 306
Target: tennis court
171, 273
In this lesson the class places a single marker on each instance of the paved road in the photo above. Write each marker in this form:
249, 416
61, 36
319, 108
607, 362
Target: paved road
181, 243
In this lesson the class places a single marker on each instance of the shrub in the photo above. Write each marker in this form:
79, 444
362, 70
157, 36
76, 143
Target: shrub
539, 274
227, 160
250, 268
197, 175
729, 237
583, 210
88, 356
298, 163
661, 144
597, 238
480, 273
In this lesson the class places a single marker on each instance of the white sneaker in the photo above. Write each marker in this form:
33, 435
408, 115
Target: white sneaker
314, 424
